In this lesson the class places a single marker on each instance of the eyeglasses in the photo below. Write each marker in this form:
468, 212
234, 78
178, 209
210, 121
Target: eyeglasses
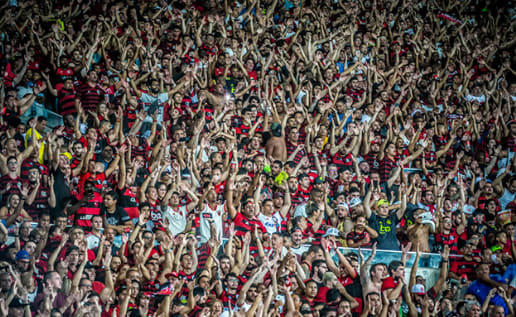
85, 285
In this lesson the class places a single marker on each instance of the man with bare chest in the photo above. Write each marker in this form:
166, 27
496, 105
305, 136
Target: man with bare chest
419, 232
276, 148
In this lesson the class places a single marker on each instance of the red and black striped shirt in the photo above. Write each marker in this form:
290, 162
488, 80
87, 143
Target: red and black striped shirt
244, 225
90, 96
28, 164
386, 166
462, 266
87, 210
39, 204
66, 101
16, 183
291, 148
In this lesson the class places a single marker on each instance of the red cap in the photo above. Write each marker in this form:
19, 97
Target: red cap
171, 274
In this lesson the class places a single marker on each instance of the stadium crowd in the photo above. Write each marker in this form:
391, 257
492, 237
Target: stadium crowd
235, 158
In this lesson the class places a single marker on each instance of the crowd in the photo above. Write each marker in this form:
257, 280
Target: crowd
236, 158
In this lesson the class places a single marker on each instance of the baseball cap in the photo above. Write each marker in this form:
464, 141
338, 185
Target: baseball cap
331, 232
382, 202
172, 274
22, 255
354, 202
418, 289
343, 205
297, 229
319, 180
159, 228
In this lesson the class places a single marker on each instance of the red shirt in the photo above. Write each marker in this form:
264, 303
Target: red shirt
389, 283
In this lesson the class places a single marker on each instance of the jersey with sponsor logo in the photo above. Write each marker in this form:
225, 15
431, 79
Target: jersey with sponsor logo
208, 215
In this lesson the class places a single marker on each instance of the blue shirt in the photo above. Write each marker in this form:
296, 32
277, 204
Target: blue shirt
510, 273
481, 290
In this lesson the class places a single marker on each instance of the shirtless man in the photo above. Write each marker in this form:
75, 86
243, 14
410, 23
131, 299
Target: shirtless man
372, 282
11, 149
419, 232
276, 147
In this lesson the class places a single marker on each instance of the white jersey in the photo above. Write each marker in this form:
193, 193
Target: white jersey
206, 216
271, 224
176, 219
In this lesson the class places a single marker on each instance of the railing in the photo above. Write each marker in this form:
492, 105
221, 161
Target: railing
53, 119
426, 260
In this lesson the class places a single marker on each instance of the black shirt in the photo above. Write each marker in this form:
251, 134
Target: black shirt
117, 218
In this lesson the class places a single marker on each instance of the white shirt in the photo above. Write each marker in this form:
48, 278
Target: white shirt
208, 214
93, 241
271, 224
176, 219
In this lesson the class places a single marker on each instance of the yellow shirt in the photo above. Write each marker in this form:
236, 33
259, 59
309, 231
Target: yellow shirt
28, 136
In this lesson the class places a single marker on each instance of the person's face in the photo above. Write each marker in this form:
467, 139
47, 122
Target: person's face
33, 175
497, 311
447, 223
225, 265
96, 223
375, 301
429, 197
5, 282
249, 209
30, 247
344, 309
133, 275
491, 206
14, 201
311, 289
400, 271
88, 187
379, 272
77, 234
474, 311
77, 149
420, 280
232, 282
109, 202
391, 150
488, 188
134, 289
277, 242
360, 223
73, 257
292, 184
502, 238
152, 193
297, 237
293, 135
187, 261
25, 229
11, 146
